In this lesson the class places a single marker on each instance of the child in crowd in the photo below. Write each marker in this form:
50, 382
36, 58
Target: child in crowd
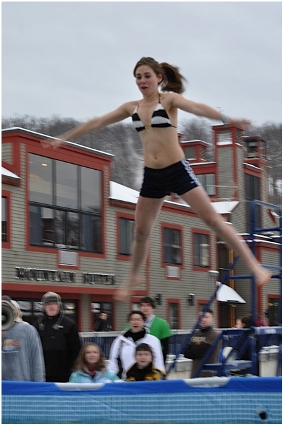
144, 369
90, 366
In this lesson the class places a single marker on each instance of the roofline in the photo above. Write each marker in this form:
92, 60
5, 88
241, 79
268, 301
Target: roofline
45, 136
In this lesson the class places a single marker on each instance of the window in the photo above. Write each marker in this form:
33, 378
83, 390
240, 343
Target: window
173, 315
172, 246
208, 183
273, 312
126, 229
65, 205
223, 261
66, 184
201, 250
4, 213
252, 190
99, 307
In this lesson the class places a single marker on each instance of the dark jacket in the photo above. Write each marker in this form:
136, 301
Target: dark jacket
149, 373
60, 346
101, 325
198, 346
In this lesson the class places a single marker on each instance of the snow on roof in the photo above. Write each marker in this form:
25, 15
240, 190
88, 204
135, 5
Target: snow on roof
126, 194
7, 173
123, 193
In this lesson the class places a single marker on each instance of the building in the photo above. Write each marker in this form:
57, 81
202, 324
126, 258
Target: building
67, 228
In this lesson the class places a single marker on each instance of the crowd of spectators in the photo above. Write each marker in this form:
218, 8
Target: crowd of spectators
51, 349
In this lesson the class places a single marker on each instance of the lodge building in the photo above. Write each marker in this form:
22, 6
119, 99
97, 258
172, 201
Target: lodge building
67, 227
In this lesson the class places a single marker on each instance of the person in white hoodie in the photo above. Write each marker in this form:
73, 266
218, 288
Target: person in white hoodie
122, 352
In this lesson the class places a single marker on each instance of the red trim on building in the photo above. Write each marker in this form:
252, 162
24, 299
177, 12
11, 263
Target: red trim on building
8, 195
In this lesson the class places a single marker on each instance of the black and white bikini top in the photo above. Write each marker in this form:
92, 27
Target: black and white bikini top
159, 118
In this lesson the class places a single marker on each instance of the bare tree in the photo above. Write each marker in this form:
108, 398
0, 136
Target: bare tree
123, 142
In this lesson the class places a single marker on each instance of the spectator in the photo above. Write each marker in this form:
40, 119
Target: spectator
91, 367
244, 322
101, 324
259, 321
59, 337
144, 369
156, 326
122, 351
22, 356
201, 342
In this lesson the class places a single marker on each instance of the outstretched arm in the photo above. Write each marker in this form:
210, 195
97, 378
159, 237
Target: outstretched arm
200, 109
117, 115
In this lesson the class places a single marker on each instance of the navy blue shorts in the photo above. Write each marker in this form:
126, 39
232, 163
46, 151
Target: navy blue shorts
177, 178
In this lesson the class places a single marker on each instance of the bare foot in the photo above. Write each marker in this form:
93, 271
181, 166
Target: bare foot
123, 294
262, 276
125, 291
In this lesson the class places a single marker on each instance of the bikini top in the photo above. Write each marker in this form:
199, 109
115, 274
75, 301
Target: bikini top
159, 118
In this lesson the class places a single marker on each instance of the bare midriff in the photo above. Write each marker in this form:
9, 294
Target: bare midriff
161, 147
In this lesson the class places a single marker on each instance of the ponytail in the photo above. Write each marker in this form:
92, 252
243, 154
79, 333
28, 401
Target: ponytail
172, 79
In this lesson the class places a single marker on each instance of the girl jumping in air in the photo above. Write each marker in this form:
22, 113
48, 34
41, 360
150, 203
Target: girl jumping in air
165, 168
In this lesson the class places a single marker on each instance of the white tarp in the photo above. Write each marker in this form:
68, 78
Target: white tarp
7, 173
227, 294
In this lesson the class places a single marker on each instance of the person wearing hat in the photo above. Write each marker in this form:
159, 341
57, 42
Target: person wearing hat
22, 356
59, 337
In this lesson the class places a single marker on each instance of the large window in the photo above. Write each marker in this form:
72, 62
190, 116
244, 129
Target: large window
126, 232
172, 246
252, 190
65, 205
201, 250
4, 214
208, 183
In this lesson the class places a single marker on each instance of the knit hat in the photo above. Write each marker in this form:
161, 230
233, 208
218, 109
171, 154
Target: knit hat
51, 297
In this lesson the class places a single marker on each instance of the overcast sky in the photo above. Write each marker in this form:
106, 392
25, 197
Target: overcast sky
75, 59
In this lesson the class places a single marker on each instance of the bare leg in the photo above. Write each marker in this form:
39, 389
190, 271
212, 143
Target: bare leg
198, 199
147, 211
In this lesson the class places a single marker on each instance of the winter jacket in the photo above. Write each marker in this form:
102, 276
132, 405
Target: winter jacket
61, 345
99, 377
198, 346
124, 348
101, 325
150, 373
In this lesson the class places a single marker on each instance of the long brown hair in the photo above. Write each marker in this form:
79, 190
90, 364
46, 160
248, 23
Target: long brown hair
172, 80
81, 364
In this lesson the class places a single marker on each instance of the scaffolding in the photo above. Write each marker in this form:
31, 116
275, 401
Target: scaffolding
240, 339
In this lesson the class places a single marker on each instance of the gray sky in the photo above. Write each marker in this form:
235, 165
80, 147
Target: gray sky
75, 59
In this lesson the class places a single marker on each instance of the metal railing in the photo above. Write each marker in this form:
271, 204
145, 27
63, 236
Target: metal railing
267, 336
